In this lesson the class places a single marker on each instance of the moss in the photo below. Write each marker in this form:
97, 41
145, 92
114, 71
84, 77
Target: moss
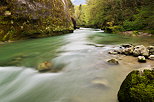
137, 87
27, 22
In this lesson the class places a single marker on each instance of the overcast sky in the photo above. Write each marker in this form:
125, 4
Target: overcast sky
78, 2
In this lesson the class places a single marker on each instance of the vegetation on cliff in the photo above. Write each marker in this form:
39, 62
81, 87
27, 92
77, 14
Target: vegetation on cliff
34, 18
117, 15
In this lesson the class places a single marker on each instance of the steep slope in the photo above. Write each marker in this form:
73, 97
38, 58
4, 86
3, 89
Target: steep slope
23, 19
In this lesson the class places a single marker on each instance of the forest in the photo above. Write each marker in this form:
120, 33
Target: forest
117, 15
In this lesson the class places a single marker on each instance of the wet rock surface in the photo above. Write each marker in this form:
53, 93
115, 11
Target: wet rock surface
45, 66
113, 61
24, 19
139, 51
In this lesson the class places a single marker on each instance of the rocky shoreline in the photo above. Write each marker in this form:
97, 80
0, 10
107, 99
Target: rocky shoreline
139, 51
138, 86
135, 33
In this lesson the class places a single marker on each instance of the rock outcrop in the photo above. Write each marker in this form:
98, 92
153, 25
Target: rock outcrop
23, 19
138, 87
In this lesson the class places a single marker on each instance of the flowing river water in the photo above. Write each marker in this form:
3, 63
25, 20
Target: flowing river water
81, 61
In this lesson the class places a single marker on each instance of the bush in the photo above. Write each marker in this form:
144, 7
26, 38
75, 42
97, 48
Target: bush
114, 29
132, 25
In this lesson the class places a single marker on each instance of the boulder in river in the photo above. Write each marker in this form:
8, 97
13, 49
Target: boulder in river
151, 50
113, 61
128, 50
45, 66
141, 50
141, 59
151, 57
113, 52
138, 87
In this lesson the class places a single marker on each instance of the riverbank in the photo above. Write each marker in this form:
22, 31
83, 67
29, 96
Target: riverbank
55, 33
81, 57
118, 30
136, 33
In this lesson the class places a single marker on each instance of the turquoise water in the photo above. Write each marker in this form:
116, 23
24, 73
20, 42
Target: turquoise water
30, 52
114, 39
83, 73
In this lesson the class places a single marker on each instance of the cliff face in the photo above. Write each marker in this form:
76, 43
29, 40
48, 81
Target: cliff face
23, 19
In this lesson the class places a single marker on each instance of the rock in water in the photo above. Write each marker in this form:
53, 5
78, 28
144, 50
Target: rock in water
128, 51
140, 50
23, 19
113, 52
141, 59
151, 57
45, 66
137, 87
113, 61
151, 50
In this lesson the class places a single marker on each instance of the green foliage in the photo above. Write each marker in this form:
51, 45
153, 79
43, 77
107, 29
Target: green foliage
130, 14
137, 87
81, 15
132, 25
116, 28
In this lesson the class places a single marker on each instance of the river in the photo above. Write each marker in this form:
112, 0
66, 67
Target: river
80, 59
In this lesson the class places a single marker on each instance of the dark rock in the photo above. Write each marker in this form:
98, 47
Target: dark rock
127, 45
138, 87
141, 59
108, 30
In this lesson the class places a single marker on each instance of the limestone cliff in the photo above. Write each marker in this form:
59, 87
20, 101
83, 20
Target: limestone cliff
23, 19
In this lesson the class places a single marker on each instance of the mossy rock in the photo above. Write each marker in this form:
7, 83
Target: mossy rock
137, 87
34, 18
